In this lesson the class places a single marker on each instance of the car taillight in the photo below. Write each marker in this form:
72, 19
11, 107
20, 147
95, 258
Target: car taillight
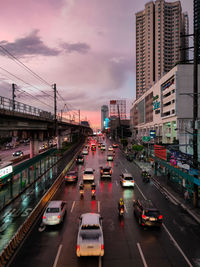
77, 247
58, 216
101, 171
102, 246
160, 217
44, 217
144, 216
110, 172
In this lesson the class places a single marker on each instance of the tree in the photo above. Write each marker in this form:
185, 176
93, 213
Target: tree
137, 147
124, 142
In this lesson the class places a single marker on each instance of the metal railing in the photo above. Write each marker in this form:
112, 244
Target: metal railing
15, 106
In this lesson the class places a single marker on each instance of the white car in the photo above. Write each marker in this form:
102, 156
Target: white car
85, 151
54, 213
110, 148
90, 235
88, 174
110, 157
127, 180
103, 147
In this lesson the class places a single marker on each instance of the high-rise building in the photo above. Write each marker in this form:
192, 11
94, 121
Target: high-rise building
197, 23
158, 39
104, 115
118, 107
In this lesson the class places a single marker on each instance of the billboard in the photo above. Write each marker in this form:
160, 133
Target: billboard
160, 152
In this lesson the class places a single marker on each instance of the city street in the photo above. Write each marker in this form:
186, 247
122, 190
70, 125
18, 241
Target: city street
126, 243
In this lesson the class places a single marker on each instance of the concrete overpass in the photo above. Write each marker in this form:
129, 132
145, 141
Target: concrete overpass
25, 121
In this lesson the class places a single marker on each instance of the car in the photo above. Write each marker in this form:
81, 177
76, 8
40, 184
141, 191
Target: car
110, 148
71, 176
87, 147
127, 180
115, 145
110, 157
85, 151
18, 153
88, 174
105, 172
79, 159
90, 240
103, 147
130, 157
54, 213
146, 213
93, 147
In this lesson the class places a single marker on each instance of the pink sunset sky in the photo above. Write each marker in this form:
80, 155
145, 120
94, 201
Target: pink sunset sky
86, 47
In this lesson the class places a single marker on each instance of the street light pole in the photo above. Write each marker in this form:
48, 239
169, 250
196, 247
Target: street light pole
195, 114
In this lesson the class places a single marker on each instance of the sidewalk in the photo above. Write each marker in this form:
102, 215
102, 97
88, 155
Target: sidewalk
160, 181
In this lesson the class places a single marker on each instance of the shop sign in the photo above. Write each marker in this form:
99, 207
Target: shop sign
5, 171
146, 138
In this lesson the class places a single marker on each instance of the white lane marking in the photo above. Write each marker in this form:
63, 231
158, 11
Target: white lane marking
125, 209
142, 255
140, 191
72, 206
99, 206
125, 170
99, 261
116, 183
176, 244
57, 256
98, 183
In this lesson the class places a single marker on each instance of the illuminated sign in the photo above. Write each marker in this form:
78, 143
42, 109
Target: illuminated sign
106, 123
5, 171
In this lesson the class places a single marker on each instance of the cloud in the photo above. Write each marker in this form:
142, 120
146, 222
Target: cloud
29, 45
81, 48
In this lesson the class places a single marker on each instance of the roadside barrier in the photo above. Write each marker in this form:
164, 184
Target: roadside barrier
19, 236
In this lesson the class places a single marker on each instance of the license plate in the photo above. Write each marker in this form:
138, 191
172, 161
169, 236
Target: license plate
90, 247
152, 219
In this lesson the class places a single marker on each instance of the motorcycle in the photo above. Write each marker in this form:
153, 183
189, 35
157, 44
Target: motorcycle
121, 211
81, 192
93, 191
146, 179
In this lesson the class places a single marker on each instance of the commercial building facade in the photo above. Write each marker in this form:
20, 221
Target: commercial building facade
158, 30
167, 108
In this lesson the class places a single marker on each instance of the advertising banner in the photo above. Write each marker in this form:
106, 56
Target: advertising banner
160, 152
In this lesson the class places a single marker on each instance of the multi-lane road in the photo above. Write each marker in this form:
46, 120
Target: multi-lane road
126, 243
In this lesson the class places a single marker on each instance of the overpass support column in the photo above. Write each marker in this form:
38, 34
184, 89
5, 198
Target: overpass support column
34, 148
59, 141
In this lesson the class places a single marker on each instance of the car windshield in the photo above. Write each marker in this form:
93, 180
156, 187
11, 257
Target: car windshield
88, 172
52, 210
90, 227
80, 157
152, 213
106, 170
128, 178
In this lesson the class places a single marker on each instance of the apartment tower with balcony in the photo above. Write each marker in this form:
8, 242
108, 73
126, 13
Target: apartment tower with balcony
158, 40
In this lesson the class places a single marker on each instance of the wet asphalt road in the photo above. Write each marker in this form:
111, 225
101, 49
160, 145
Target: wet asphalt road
126, 243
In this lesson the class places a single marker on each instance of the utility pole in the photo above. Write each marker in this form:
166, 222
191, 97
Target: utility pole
55, 109
13, 96
195, 114
79, 116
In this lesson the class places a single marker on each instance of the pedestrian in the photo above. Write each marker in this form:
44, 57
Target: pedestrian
186, 196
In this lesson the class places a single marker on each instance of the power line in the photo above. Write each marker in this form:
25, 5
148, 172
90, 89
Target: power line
17, 61
22, 80
24, 66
